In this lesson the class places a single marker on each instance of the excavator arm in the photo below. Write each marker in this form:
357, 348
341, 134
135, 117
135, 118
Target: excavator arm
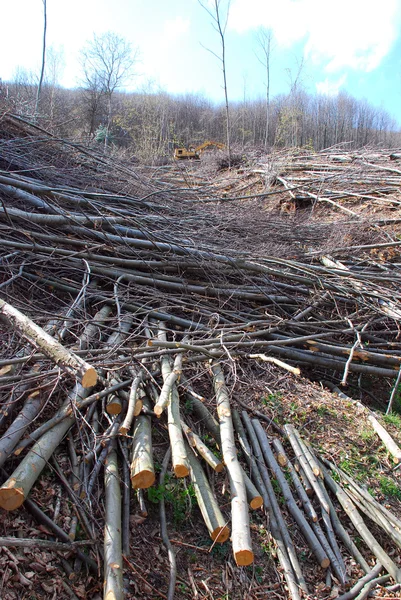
195, 153
207, 144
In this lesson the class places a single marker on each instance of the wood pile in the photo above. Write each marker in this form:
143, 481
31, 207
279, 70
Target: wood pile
126, 295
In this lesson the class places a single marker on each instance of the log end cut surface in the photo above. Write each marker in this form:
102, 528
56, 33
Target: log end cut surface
256, 502
114, 406
89, 378
143, 480
220, 534
138, 408
158, 410
325, 563
244, 558
181, 471
11, 497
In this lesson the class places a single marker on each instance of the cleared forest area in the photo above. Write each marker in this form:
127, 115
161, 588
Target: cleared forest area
200, 372
146, 126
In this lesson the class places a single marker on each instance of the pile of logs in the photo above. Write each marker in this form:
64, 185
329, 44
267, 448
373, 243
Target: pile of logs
119, 298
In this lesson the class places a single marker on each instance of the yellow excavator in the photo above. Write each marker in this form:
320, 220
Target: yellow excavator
195, 153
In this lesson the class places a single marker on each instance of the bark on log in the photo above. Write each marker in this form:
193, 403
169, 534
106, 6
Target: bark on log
179, 455
51, 327
211, 513
20, 424
92, 330
254, 498
17, 487
206, 419
114, 401
142, 467
273, 505
281, 456
301, 492
66, 411
195, 442
70, 362
241, 537
386, 438
360, 526
168, 383
134, 407
178, 452
309, 535
113, 560
342, 533
249, 457
13, 542
306, 466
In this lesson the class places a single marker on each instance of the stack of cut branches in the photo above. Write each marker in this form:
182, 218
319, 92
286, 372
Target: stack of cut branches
117, 303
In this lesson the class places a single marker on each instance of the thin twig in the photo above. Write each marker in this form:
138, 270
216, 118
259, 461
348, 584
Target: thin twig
163, 529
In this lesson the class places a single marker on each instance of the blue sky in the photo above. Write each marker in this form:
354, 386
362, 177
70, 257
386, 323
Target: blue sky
351, 45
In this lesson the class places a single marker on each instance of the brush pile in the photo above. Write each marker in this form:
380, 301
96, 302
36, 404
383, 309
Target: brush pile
127, 296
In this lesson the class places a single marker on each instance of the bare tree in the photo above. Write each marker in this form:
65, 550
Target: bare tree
107, 64
42, 71
264, 39
289, 131
219, 22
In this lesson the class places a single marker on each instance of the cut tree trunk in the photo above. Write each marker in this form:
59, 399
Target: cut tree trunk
241, 536
15, 490
211, 513
178, 452
142, 467
70, 362
299, 517
113, 560
386, 438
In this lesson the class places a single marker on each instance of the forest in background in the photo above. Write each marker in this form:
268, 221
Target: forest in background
148, 124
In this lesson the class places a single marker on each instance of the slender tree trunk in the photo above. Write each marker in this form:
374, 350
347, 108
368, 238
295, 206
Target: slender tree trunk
267, 91
108, 125
223, 60
221, 28
42, 72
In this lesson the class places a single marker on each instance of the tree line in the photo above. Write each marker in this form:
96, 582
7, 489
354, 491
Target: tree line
148, 124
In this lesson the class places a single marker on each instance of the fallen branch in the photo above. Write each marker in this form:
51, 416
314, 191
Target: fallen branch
241, 537
142, 467
304, 526
278, 523
164, 532
33, 543
360, 526
211, 513
70, 362
113, 560
386, 438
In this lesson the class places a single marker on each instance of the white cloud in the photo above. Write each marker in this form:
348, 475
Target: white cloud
174, 28
330, 87
355, 34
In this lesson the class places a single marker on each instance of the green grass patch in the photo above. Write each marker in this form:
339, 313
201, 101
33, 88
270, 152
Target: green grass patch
392, 419
367, 435
389, 487
325, 411
180, 496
